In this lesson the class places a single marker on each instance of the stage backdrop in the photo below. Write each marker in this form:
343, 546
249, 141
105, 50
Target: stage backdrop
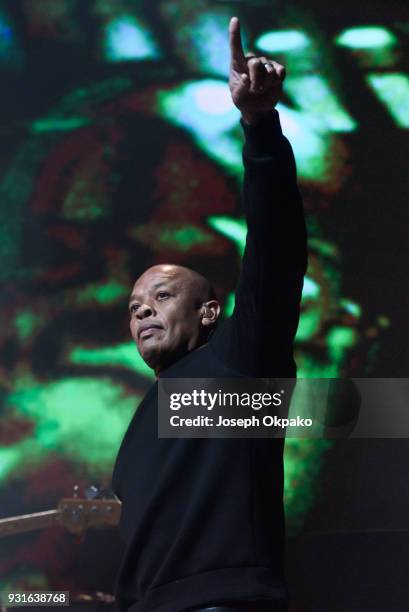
120, 148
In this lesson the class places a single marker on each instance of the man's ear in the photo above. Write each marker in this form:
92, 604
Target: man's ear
210, 312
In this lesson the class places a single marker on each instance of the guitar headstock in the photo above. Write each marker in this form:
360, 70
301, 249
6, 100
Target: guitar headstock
78, 514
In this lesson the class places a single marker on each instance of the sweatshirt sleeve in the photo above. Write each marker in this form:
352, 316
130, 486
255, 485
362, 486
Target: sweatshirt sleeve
258, 337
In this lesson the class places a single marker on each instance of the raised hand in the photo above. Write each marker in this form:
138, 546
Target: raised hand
255, 82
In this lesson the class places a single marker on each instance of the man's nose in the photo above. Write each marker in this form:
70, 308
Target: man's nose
144, 310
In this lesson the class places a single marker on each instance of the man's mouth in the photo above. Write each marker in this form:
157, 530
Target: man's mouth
147, 330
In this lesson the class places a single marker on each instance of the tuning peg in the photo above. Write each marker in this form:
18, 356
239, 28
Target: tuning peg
92, 492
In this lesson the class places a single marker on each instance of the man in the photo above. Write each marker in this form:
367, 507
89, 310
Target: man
203, 518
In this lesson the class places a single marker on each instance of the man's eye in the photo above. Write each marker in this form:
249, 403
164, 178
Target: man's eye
134, 308
162, 295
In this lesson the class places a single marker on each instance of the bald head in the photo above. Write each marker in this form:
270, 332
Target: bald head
197, 283
173, 309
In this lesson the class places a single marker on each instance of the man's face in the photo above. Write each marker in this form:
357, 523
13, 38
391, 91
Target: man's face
166, 314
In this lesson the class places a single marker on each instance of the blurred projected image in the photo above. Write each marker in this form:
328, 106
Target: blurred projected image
121, 149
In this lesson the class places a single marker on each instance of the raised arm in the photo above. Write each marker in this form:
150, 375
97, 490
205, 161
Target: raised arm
258, 338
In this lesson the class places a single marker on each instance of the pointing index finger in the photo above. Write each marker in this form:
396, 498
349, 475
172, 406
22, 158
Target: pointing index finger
236, 47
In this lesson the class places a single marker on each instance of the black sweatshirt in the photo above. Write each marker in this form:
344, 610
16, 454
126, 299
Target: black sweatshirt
203, 519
